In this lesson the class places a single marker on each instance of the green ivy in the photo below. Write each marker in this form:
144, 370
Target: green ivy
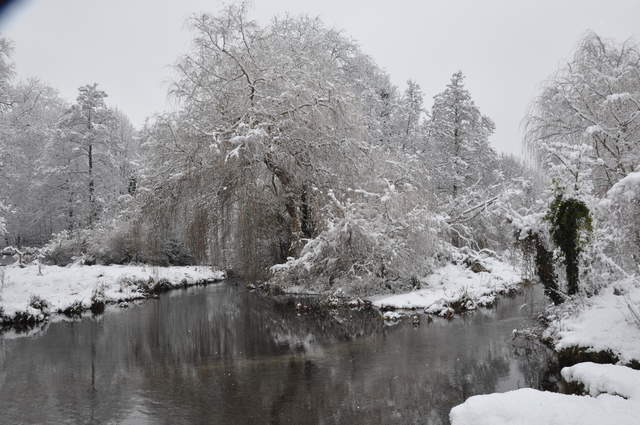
533, 246
569, 217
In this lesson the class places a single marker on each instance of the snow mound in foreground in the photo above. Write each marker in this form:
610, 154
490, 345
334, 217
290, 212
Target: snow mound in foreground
615, 399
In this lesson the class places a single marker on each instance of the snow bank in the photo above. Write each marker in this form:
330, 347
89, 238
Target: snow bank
605, 323
527, 406
63, 287
606, 384
456, 285
605, 379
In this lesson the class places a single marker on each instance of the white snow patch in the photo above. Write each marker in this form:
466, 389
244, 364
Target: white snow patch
625, 189
605, 379
454, 282
593, 129
616, 97
607, 384
60, 287
605, 323
392, 315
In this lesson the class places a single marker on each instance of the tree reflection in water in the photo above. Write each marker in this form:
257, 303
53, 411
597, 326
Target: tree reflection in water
223, 355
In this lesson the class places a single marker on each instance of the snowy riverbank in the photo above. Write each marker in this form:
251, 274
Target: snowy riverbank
613, 398
605, 323
30, 294
456, 287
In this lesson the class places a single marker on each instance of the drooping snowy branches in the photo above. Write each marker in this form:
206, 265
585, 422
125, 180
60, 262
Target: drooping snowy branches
583, 131
595, 101
288, 145
288, 137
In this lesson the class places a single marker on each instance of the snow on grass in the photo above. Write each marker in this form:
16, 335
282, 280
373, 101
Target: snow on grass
456, 287
605, 323
62, 287
615, 399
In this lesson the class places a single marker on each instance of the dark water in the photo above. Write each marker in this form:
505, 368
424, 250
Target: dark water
221, 355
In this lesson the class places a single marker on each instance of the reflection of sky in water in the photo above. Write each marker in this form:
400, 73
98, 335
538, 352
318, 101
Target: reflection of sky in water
222, 355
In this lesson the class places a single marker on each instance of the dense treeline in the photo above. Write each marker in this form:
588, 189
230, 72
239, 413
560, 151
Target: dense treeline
62, 167
291, 143
291, 147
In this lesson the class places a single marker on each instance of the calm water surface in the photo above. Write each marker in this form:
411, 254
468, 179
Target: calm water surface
222, 355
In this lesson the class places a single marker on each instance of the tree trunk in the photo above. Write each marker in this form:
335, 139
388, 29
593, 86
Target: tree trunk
306, 224
92, 202
290, 204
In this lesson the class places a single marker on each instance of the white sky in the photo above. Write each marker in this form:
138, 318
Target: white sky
505, 47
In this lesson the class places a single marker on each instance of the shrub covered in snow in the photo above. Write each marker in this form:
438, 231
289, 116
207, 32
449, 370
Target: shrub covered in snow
64, 247
114, 244
366, 249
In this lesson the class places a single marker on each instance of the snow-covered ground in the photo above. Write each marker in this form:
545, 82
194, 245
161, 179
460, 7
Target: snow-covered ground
604, 323
614, 398
456, 285
62, 287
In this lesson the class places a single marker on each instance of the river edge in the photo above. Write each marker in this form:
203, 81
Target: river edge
603, 328
596, 340
30, 295
130, 283
173, 327
151, 288
459, 286
118, 285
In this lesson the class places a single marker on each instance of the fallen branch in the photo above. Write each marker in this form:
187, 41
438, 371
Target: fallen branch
484, 204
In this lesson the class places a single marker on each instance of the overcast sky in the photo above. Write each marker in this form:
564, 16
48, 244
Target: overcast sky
505, 47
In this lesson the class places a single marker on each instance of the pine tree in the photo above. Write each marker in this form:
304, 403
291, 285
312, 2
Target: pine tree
86, 128
459, 138
412, 110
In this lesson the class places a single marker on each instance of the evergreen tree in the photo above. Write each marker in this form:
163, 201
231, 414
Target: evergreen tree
412, 109
93, 140
459, 138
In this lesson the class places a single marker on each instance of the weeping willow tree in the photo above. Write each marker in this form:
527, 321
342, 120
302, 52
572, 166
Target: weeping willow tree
582, 132
270, 119
290, 143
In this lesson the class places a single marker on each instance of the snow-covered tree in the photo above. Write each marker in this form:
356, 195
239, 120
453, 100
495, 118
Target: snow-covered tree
93, 141
459, 138
459, 153
280, 110
44, 172
412, 111
595, 101
582, 132
27, 128
6, 74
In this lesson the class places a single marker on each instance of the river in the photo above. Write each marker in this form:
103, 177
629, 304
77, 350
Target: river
222, 355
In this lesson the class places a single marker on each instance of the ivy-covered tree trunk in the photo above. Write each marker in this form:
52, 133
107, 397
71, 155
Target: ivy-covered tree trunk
544, 269
306, 224
568, 218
